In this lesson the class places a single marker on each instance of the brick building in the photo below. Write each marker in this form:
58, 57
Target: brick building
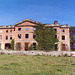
21, 32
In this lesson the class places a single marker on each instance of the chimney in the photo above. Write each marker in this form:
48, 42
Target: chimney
55, 22
67, 25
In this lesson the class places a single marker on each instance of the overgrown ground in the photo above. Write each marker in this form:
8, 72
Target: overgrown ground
36, 65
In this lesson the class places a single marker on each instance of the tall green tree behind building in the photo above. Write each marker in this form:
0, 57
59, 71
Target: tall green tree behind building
45, 37
72, 37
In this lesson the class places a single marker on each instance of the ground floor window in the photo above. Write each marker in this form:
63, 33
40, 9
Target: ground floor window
63, 47
7, 46
26, 46
56, 47
18, 46
34, 46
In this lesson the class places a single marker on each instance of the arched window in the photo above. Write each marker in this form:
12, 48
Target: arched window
55, 29
6, 31
19, 29
19, 36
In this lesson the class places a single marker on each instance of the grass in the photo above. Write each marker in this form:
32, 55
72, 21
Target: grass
36, 65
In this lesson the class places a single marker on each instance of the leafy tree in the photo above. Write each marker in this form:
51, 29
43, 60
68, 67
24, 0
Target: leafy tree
72, 37
45, 37
12, 44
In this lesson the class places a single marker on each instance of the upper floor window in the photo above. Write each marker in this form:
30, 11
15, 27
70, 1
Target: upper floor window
6, 31
55, 29
26, 35
27, 28
0, 37
63, 30
0, 31
19, 29
34, 36
10, 37
34, 28
63, 37
55, 36
10, 30
6, 37
19, 36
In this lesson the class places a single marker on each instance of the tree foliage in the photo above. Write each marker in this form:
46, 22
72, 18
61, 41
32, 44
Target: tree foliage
72, 37
12, 44
45, 37
32, 48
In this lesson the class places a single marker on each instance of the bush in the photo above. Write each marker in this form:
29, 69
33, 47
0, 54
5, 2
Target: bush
32, 48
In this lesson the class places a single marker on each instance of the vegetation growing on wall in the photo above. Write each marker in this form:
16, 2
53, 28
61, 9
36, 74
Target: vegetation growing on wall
32, 48
45, 37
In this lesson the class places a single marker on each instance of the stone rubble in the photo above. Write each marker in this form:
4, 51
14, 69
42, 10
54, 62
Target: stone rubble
38, 52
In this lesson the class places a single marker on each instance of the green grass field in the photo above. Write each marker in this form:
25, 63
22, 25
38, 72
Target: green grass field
36, 65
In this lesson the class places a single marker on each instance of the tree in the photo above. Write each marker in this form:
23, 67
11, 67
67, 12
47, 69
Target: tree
72, 37
12, 44
45, 37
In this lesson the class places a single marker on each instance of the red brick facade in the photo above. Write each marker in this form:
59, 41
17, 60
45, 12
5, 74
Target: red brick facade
22, 34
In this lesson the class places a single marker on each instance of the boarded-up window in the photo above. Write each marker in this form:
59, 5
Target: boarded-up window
18, 46
63, 47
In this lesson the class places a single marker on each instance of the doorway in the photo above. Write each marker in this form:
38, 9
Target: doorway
7, 46
26, 46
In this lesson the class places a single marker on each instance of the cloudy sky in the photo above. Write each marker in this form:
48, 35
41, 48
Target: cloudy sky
44, 11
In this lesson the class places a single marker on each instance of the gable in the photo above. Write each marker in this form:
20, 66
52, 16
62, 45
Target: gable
26, 22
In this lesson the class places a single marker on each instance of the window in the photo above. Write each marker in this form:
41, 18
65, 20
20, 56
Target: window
6, 37
56, 47
34, 46
27, 28
34, 28
0, 37
19, 29
56, 36
55, 29
6, 31
26, 35
34, 36
63, 30
10, 30
10, 38
63, 47
0, 31
19, 36
63, 37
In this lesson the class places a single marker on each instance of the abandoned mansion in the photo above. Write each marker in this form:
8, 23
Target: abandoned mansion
21, 32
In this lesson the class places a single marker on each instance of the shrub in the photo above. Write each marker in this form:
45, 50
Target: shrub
12, 44
32, 48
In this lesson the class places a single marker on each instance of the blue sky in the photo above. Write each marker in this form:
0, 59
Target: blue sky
44, 11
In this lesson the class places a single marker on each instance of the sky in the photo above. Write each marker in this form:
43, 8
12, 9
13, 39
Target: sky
44, 11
